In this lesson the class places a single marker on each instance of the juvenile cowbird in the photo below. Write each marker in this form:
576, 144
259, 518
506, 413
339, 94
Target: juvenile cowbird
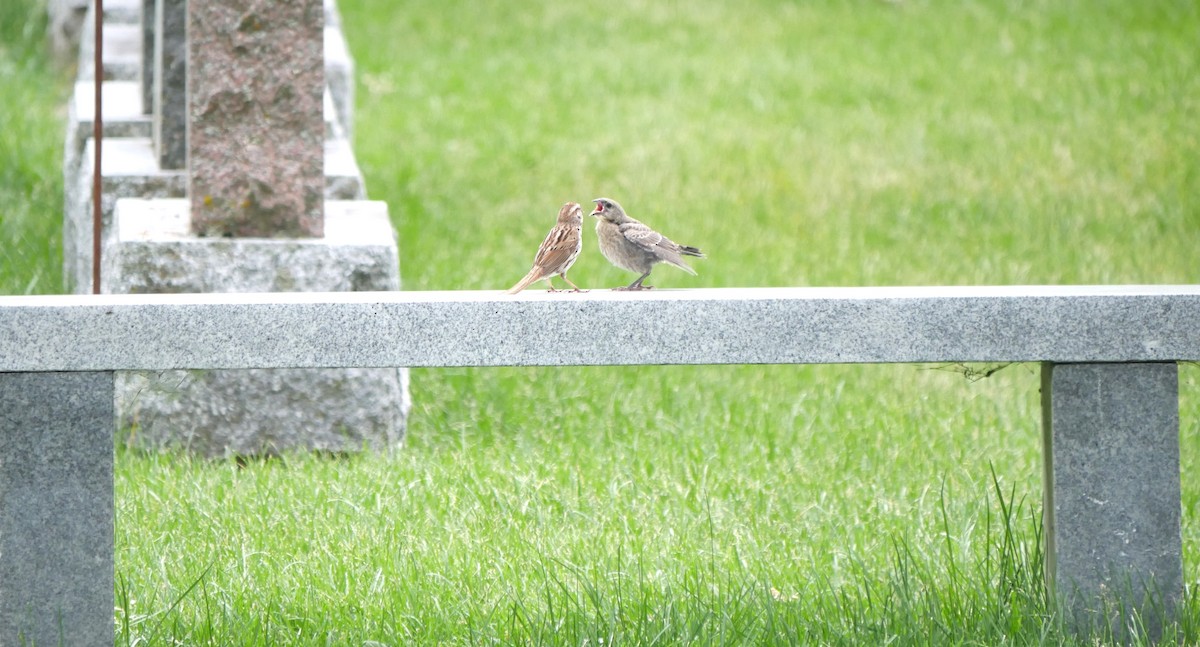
633, 246
558, 252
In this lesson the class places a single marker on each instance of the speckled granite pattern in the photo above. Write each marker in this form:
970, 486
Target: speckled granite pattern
1112, 493
152, 251
708, 326
256, 80
256, 412
1112, 476
130, 171
56, 508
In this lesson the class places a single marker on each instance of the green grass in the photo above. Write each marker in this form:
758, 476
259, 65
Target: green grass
823, 143
32, 112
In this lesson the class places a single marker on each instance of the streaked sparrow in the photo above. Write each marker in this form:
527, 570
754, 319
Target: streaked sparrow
558, 252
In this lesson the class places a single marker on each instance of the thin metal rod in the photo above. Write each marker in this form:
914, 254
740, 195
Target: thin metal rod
97, 136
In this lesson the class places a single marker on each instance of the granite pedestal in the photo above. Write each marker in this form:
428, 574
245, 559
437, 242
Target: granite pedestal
56, 508
1112, 495
256, 412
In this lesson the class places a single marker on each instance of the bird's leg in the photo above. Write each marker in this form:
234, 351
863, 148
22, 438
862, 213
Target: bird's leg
636, 285
564, 275
550, 284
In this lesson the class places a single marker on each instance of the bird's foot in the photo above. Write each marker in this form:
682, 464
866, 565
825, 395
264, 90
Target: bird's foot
633, 288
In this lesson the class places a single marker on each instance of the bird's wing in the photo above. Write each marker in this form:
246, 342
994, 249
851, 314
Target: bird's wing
560, 243
642, 236
663, 248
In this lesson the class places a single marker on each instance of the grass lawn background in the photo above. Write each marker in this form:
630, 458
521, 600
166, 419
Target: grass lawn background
824, 144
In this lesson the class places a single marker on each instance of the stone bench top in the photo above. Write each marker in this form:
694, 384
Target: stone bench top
1060, 324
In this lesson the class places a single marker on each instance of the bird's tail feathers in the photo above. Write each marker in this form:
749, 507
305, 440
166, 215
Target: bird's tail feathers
681, 265
691, 251
532, 277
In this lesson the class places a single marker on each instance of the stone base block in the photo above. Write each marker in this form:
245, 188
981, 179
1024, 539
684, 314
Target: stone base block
131, 171
256, 412
153, 251
263, 412
56, 508
1112, 491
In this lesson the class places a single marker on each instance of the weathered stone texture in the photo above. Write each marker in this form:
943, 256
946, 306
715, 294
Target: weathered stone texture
255, 84
1112, 508
56, 508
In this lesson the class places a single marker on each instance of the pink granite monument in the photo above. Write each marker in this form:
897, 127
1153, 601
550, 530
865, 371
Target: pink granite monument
256, 136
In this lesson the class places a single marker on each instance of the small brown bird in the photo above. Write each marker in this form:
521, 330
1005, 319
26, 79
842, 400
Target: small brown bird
558, 252
633, 246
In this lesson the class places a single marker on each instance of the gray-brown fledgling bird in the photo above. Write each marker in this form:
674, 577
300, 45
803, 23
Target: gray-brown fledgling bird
558, 252
633, 246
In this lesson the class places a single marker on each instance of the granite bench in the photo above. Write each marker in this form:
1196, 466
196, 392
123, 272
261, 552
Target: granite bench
1109, 397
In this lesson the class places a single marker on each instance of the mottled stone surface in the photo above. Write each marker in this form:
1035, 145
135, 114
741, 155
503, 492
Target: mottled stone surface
255, 87
708, 326
130, 170
1112, 494
263, 412
154, 251
170, 83
222, 412
56, 508
251, 412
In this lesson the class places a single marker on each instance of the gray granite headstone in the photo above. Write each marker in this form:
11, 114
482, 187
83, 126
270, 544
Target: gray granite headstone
256, 80
235, 412
1112, 508
170, 84
146, 78
56, 508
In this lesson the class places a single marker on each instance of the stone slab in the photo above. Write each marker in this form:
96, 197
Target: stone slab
131, 170
123, 114
256, 412
255, 84
1112, 495
339, 65
121, 11
56, 508
64, 27
154, 251
706, 326
263, 412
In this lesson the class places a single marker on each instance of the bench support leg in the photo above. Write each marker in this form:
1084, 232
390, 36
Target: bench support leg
1112, 498
56, 508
